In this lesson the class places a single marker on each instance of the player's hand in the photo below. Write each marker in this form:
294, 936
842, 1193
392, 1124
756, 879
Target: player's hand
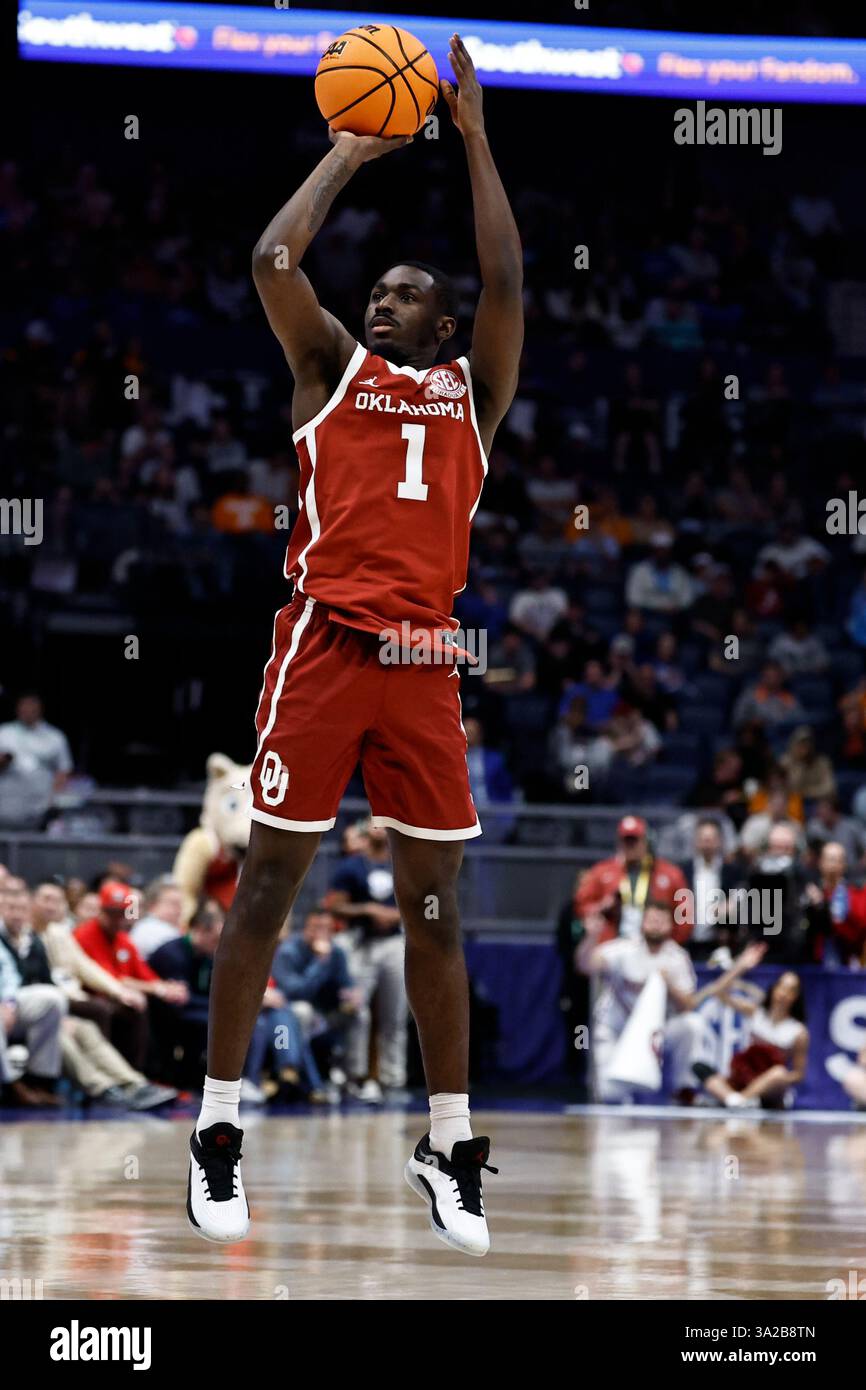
464, 103
366, 147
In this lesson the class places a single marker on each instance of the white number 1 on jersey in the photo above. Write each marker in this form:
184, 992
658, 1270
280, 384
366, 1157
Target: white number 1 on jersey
412, 485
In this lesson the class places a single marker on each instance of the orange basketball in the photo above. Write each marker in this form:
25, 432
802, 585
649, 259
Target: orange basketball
376, 80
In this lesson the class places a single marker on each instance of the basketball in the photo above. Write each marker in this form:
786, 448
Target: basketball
376, 80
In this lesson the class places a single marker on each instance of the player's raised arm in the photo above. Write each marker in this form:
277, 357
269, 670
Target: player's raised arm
497, 337
317, 346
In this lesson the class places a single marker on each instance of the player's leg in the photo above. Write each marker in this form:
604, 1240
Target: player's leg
274, 868
425, 885
446, 1166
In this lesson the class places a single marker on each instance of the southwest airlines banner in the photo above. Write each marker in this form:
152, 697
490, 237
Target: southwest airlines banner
565, 57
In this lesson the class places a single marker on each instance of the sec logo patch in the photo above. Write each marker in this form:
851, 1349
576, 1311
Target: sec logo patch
443, 382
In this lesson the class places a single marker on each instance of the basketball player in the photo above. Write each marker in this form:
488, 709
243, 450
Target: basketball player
392, 454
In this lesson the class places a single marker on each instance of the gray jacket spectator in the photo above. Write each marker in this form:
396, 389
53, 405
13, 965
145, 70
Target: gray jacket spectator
35, 763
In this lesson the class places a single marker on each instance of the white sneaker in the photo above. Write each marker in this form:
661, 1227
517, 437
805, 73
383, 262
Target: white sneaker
251, 1094
452, 1187
216, 1203
369, 1091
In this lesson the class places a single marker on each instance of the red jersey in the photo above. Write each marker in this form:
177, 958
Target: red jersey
391, 476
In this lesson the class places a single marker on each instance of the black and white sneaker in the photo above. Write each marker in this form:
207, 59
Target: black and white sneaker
216, 1203
452, 1187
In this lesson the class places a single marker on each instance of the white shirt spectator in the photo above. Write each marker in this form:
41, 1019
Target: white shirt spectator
627, 965
536, 610
796, 556
150, 933
661, 589
38, 752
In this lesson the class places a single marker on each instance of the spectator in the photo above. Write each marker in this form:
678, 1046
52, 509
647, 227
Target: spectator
777, 807
163, 916
658, 585
104, 939
32, 1015
510, 664
777, 1052
620, 888
835, 912
575, 745
708, 877
88, 1058
35, 763
311, 971
362, 892
598, 691
798, 651
723, 789
634, 740
796, 555
828, 823
775, 884
535, 608
624, 968
768, 700
855, 622
809, 773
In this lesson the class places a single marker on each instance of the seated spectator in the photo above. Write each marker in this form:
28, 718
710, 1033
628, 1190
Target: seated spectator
32, 1015
536, 607
828, 823
669, 674
712, 616
796, 555
624, 968
723, 789
798, 651
776, 806
88, 1058
658, 584
809, 773
163, 916
767, 592
835, 913
774, 785
35, 764
311, 970
777, 1051
510, 664
768, 700
634, 740
362, 892
598, 690
106, 941
574, 745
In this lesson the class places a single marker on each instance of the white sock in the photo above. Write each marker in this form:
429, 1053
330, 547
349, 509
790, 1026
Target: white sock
449, 1121
219, 1104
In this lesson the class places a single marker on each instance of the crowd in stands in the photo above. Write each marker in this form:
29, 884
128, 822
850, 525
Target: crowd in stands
104, 987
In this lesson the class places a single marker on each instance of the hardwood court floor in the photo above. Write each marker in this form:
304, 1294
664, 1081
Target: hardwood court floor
587, 1205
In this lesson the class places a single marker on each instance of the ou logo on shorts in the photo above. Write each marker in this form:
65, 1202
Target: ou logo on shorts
273, 779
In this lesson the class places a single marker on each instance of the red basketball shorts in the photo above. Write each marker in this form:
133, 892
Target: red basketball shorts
328, 703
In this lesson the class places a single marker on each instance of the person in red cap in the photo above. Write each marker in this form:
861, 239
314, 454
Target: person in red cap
620, 888
106, 940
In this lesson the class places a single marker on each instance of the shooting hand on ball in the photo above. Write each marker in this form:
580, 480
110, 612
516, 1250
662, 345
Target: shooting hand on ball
464, 103
366, 147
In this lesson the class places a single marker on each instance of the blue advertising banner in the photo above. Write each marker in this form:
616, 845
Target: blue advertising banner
523, 981
282, 39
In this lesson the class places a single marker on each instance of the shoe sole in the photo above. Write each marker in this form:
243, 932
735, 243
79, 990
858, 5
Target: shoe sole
217, 1240
445, 1236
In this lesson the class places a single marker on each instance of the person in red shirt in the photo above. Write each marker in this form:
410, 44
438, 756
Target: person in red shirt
106, 941
835, 912
619, 888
